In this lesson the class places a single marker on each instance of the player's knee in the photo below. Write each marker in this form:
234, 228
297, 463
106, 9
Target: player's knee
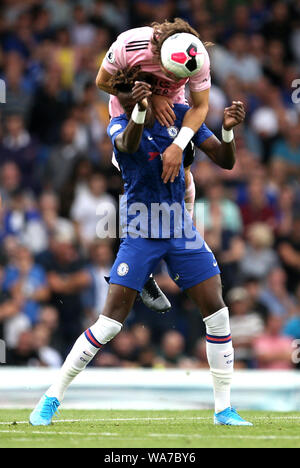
105, 329
212, 297
213, 302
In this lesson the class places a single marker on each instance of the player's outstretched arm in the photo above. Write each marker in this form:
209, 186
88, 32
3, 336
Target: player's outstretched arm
129, 141
224, 153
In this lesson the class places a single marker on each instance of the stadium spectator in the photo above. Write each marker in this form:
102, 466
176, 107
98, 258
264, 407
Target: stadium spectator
259, 258
219, 211
89, 205
124, 347
24, 354
63, 157
26, 282
53, 101
10, 180
289, 251
273, 350
288, 149
275, 295
172, 349
67, 278
18, 147
257, 207
48, 356
18, 97
246, 325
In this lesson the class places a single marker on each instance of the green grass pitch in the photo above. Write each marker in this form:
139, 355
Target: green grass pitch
148, 429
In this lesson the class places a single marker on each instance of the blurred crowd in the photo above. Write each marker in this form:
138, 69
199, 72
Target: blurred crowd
55, 170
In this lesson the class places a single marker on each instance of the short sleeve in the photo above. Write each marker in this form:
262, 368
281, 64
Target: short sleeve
202, 135
202, 80
115, 58
117, 125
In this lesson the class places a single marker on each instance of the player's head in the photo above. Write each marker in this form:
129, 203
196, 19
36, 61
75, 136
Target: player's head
177, 47
123, 82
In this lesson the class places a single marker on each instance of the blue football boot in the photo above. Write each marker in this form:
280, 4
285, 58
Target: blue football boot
44, 411
230, 417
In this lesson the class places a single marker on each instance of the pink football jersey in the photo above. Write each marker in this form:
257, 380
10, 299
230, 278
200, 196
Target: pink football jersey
133, 48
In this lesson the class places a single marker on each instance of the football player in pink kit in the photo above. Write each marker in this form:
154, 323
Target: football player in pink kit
142, 46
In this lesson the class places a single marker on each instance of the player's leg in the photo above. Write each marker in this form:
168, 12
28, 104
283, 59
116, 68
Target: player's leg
127, 278
119, 303
208, 297
220, 353
195, 269
152, 296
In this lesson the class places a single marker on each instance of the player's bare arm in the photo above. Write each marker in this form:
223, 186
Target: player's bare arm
224, 153
195, 117
221, 153
102, 81
129, 141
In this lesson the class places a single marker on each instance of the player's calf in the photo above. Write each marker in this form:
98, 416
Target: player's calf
118, 305
82, 353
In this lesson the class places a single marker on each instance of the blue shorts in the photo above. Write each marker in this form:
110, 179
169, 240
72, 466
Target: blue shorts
188, 264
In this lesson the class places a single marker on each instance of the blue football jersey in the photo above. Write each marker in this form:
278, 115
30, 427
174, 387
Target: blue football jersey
142, 171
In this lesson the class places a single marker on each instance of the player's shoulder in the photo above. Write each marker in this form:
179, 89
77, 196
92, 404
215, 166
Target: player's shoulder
117, 124
136, 34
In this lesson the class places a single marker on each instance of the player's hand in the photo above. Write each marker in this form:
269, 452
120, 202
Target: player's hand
141, 93
163, 109
234, 115
172, 160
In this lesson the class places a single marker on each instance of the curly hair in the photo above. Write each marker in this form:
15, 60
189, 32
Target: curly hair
167, 29
124, 80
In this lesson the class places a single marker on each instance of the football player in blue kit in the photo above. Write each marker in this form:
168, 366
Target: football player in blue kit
156, 226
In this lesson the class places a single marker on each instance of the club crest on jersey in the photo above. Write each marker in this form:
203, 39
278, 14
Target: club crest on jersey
173, 132
123, 269
110, 56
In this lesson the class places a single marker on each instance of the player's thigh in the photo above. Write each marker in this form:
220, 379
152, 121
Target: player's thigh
208, 296
189, 263
119, 302
136, 260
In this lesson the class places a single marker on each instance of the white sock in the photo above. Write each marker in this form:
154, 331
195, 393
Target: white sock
82, 353
220, 355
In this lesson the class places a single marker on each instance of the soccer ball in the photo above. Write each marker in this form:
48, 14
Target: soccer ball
183, 55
